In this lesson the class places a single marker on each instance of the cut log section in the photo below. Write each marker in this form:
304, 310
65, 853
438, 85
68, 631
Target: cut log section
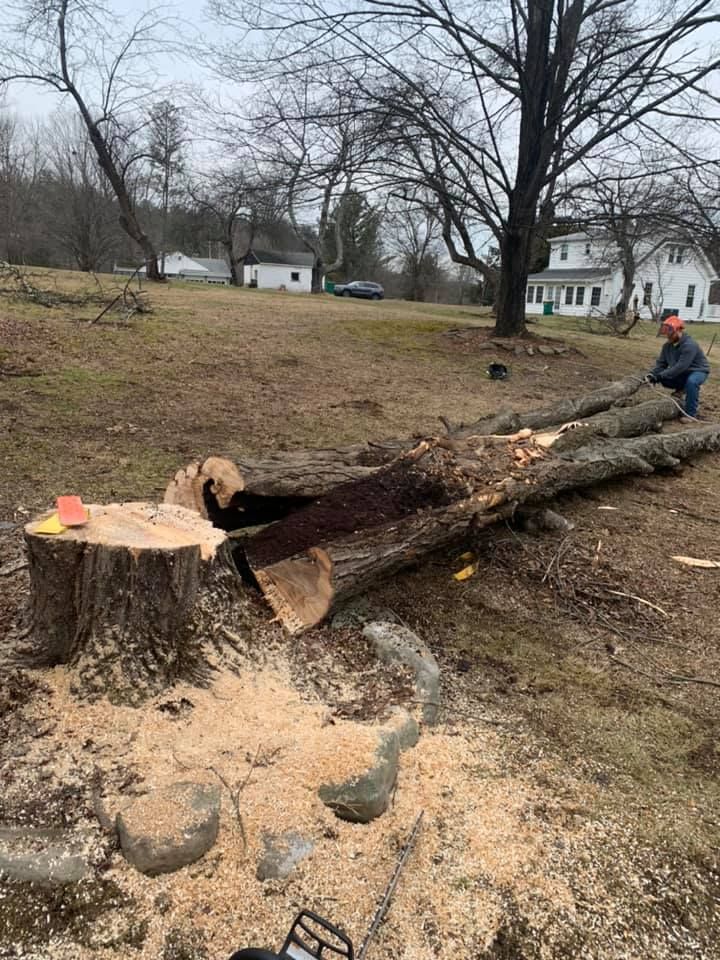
131, 598
336, 547
251, 492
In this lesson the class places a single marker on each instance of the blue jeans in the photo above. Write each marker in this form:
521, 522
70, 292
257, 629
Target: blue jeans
690, 383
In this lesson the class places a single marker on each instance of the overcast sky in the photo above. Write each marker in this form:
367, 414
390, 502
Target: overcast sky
36, 102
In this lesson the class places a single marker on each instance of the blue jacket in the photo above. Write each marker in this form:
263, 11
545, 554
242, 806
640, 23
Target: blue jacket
678, 359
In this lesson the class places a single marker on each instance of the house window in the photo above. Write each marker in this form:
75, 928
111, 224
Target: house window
595, 296
568, 295
647, 295
579, 296
563, 251
538, 294
675, 254
295, 276
530, 293
690, 298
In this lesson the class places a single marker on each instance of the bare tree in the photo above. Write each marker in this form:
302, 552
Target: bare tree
72, 48
416, 232
628, 209
495, 103
12, 174
167, 135
22, 172
79, 204
699, 198
240, 203
308, 131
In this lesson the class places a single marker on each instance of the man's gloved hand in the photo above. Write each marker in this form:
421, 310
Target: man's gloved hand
649, 378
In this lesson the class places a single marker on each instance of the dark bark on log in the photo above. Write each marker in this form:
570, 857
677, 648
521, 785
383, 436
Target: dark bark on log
130, 600
564, 411
300, 475
303, 586
620, 422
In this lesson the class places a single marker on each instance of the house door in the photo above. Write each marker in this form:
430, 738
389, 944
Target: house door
556, 298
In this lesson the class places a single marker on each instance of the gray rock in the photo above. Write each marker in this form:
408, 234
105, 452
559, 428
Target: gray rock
282, 854
170, 828
406, 727
46, 857
395, 642
357, 612
366, 796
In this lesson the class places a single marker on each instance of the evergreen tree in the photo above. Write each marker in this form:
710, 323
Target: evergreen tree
362, 245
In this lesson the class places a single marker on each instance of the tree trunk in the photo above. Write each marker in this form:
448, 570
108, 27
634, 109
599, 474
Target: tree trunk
337, 547
232, 263
255, 491
128, 218
316, 278
515, 257
137, 597
131, 599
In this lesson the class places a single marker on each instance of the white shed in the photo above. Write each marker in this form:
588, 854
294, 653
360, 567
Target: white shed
584, 277
279, 270
180, 267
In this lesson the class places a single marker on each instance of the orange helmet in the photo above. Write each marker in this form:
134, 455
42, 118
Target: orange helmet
672, 325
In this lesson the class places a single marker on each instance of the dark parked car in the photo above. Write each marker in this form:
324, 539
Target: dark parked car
359, 288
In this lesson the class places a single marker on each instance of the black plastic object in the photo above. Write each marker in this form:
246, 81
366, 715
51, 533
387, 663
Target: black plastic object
254, 953
497, 371
310, 938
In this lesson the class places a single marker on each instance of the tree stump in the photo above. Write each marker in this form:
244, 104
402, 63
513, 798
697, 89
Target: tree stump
131, 599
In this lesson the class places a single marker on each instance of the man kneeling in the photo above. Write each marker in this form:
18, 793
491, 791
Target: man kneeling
682, 366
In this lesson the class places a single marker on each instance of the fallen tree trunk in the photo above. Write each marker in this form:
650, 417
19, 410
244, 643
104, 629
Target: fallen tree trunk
131, 598
250, 492
303, 573
137, 597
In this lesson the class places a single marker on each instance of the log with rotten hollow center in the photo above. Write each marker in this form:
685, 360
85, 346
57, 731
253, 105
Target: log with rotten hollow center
427, 499
251, 492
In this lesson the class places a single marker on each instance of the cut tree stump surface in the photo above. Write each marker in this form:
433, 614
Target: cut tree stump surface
139, 526
131, 599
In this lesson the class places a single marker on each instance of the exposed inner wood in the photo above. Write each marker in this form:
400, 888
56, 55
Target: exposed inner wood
140, 526
261, 490
475, 482
217, 476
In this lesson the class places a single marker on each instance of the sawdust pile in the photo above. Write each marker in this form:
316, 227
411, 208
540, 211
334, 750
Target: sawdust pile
256, 737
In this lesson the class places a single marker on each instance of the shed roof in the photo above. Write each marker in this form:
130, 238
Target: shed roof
216, 267
571, 273
291, 258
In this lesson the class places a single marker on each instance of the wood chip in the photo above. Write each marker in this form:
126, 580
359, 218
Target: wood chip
698, 562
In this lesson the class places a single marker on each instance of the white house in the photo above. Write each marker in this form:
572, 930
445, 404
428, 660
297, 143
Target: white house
584, 277
194, 269
273, 270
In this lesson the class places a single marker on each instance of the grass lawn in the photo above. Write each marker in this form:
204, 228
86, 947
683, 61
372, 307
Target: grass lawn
620, 757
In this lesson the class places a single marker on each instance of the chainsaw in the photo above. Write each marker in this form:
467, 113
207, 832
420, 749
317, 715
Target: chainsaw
311, 937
